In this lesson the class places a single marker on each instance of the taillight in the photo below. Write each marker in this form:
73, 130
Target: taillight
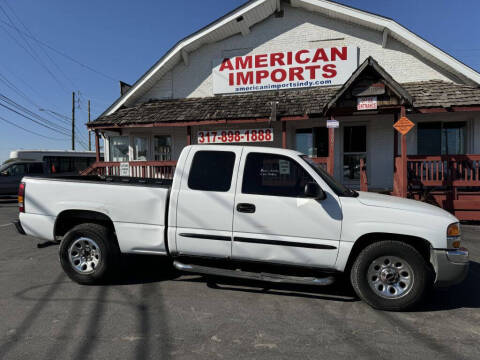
21, 197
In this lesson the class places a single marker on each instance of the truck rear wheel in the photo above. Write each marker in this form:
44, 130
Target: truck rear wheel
88, 254
391, 275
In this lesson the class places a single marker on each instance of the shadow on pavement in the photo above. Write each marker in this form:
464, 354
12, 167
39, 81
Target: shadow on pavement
463, 295
340, 291
143, 269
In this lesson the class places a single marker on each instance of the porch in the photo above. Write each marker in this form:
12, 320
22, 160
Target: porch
145, 140
451, 182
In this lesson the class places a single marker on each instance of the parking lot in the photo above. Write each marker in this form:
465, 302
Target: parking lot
153, 312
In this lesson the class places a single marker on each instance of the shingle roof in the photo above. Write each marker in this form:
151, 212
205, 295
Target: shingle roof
240, 106
434, 93
437, 93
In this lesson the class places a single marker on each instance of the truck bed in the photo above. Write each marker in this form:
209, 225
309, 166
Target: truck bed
137, 207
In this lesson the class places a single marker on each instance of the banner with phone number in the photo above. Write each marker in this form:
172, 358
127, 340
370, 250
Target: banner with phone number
234, 136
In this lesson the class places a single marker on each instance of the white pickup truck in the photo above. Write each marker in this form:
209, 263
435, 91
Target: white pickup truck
252, 212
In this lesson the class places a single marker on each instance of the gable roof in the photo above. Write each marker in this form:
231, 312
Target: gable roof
398, 89
256, 11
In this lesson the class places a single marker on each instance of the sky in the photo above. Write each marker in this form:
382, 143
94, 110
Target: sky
52, 48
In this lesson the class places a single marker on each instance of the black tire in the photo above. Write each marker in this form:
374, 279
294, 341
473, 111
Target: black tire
420, 280
107, 255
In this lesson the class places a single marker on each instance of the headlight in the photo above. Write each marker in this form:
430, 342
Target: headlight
453, 236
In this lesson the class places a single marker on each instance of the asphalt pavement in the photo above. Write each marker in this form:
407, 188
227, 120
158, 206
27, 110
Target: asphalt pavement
152, 311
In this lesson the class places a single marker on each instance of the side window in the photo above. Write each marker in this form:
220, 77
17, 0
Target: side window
35, 168
16, 170
274, 175
211, 171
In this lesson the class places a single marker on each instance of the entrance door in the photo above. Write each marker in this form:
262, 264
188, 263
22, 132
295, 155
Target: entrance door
205, 202
274, 222
354, 149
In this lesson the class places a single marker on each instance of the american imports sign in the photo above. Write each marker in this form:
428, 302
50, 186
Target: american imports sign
285, 70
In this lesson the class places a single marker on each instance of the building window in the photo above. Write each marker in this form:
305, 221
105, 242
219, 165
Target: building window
274, 175
354, 149
441, 138
211, 171
162, 148
118, 146
140, 148
313, 142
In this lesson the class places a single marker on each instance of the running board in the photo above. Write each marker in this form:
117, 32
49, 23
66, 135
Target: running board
275, 278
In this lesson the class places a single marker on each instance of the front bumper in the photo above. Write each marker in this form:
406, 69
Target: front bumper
451, 266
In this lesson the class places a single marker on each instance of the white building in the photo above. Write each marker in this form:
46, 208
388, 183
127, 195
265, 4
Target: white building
285, 67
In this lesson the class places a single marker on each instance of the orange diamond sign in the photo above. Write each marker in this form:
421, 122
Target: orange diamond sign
403, 125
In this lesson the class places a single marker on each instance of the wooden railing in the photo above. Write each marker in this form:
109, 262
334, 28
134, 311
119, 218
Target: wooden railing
322, 161
449, 181
143, 169
444, 170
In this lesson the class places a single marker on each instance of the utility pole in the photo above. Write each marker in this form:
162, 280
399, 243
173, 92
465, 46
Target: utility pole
89, 139
73, 120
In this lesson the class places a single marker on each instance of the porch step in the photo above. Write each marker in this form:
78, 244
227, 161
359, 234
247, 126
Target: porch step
275, 278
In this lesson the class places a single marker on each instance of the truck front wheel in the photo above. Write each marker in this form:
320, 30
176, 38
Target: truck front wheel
88, 253
391, 275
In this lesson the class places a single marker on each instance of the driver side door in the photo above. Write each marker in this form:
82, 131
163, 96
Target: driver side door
275, 222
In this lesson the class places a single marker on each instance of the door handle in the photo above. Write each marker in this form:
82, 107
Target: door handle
246, 208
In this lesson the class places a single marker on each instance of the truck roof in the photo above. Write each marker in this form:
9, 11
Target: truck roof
272, 150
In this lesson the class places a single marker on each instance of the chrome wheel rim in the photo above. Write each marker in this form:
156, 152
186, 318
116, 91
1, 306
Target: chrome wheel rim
84, 255
390, 277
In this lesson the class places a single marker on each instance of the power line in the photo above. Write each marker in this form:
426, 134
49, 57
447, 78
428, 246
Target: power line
30, 131
61, 53
32, 51
28, 111
54, 114
35, 121
40, 47
16, 89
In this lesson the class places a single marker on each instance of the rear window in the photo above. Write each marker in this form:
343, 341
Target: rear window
211, 171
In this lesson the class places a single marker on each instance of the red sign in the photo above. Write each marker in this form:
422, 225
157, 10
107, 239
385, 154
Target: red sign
367, 103
285, 70
403, 125
234, 136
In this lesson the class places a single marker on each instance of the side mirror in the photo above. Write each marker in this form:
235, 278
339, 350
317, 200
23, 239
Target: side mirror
313, 190
4, 173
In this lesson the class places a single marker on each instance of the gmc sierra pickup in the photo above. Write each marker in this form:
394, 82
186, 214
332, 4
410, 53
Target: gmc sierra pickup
252, 212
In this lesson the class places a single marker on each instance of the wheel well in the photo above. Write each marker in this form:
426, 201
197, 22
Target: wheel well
420, 244
70, 218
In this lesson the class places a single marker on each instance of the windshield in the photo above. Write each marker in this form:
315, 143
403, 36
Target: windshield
4, 166
339, 189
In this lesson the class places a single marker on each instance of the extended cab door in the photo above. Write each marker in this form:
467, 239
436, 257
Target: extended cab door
205, 201
274, 222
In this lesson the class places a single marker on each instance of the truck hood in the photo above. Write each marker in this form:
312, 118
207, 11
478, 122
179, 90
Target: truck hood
394, 202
